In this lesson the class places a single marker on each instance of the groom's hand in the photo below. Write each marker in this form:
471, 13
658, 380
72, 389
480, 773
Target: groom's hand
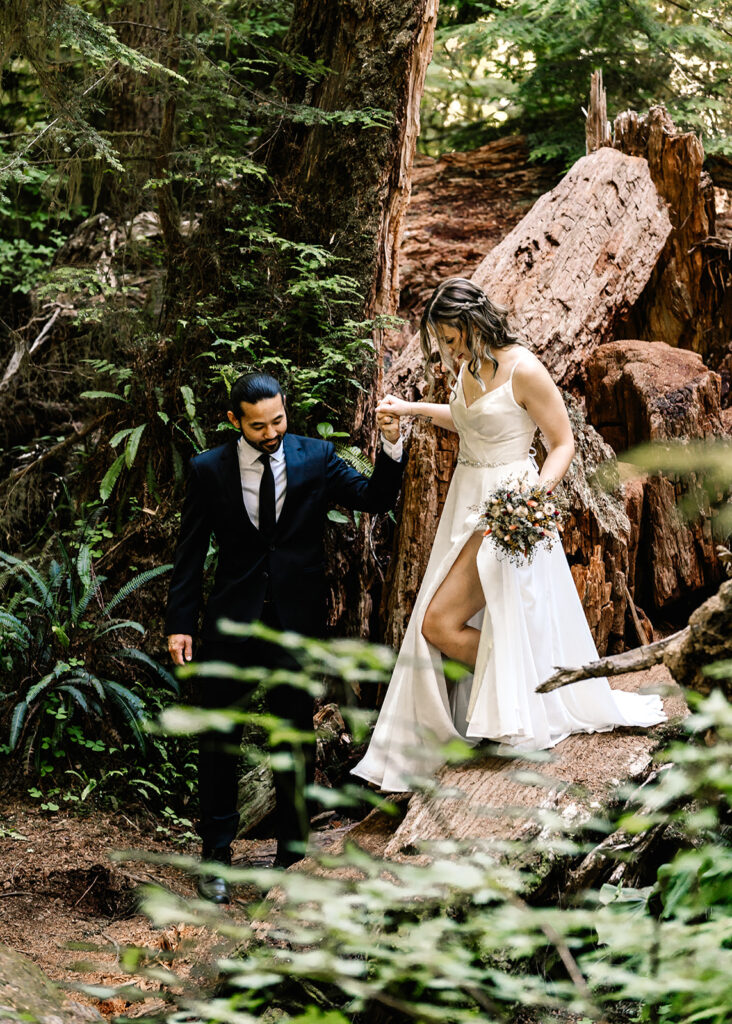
180, 646
389, 426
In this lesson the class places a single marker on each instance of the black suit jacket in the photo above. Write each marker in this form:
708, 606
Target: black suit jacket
290, 568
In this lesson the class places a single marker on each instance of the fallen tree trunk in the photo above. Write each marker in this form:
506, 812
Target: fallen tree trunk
501, 799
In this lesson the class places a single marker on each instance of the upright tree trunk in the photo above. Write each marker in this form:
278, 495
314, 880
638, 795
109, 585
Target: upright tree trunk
346, 187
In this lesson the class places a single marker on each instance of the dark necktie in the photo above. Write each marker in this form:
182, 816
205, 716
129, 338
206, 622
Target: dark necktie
267, 511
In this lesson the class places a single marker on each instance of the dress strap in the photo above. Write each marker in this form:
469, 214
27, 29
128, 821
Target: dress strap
513, 368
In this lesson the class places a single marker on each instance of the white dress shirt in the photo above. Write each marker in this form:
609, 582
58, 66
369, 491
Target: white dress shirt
251, 470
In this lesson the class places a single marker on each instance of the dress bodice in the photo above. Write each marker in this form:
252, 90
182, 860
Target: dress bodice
494, 429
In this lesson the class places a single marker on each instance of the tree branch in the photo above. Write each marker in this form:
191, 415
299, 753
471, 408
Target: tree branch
616, 664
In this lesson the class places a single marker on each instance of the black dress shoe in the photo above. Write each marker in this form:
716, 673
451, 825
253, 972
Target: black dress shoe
214, 888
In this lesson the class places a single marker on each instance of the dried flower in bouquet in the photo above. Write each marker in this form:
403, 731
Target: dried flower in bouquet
518, 517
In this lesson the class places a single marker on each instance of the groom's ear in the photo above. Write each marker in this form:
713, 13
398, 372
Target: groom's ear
233, 420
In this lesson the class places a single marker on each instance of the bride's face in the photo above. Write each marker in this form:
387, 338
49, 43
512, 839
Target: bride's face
454, 345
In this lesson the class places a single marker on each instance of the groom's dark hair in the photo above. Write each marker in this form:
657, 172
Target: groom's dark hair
251, 388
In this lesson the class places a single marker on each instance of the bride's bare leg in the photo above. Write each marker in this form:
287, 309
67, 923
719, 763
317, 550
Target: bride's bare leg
455, 602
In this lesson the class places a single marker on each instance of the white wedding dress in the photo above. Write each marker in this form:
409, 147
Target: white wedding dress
532, 621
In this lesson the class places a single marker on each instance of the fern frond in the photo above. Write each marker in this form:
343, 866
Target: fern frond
78, 696
136, 655
355, 458
137, 581
21, 568
16, 723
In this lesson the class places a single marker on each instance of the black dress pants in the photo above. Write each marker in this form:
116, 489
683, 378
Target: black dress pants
219, 752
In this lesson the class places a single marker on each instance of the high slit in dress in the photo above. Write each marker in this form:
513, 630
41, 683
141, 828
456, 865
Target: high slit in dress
532, 621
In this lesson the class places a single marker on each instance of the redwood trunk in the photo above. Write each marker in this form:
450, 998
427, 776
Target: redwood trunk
346, 187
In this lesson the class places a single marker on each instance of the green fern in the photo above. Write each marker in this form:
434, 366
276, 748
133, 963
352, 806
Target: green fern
134, 584
355, 458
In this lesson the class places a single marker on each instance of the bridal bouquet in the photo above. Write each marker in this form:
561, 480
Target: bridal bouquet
519, 516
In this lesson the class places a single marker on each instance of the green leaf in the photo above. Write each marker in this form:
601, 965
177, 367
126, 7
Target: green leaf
103, 394
16, 723
120, 435
110, 477
137, 581
325, 430
136, 655
133, 444
337, 517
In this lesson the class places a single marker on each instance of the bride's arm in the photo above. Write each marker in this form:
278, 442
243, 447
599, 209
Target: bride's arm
438, 413
534, 389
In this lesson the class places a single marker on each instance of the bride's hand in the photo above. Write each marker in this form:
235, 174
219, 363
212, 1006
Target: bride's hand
390, 405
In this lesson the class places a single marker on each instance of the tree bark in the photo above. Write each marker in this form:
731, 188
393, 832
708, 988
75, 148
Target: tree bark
346, 187
684, 298
597, 128
639, 391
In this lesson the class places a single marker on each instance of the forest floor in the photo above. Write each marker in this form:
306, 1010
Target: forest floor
72, 910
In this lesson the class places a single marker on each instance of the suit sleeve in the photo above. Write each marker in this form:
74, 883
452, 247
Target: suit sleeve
186, 585
349, 488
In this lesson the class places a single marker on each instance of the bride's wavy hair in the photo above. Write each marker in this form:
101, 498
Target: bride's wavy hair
457, 302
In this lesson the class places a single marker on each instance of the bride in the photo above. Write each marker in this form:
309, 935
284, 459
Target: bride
510, 625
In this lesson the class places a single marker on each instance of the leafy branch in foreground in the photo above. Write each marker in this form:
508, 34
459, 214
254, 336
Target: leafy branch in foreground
462, 932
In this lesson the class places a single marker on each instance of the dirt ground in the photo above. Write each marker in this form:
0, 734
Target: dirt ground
60, 890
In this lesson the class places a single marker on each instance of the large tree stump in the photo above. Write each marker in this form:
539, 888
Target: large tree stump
568, 270
346, 187
688, 290
641, 391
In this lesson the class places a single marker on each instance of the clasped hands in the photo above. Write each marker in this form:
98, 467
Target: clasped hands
388, 413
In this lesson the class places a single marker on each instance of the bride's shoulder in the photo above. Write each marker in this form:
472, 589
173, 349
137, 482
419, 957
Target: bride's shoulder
526, 364
531, 379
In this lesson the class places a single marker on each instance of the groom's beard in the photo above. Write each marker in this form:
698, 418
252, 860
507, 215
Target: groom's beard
268, 447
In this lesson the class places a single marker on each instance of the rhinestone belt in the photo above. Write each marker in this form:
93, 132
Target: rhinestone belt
463, 460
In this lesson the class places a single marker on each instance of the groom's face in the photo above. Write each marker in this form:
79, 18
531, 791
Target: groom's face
263, 423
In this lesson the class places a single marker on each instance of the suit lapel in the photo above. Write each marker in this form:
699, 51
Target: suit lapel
232, 483
295, 463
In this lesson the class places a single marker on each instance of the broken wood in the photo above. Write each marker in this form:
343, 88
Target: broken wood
639, 391
683, 302
707, 639
597, 127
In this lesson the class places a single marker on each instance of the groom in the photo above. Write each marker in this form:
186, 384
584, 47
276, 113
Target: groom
264, 496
